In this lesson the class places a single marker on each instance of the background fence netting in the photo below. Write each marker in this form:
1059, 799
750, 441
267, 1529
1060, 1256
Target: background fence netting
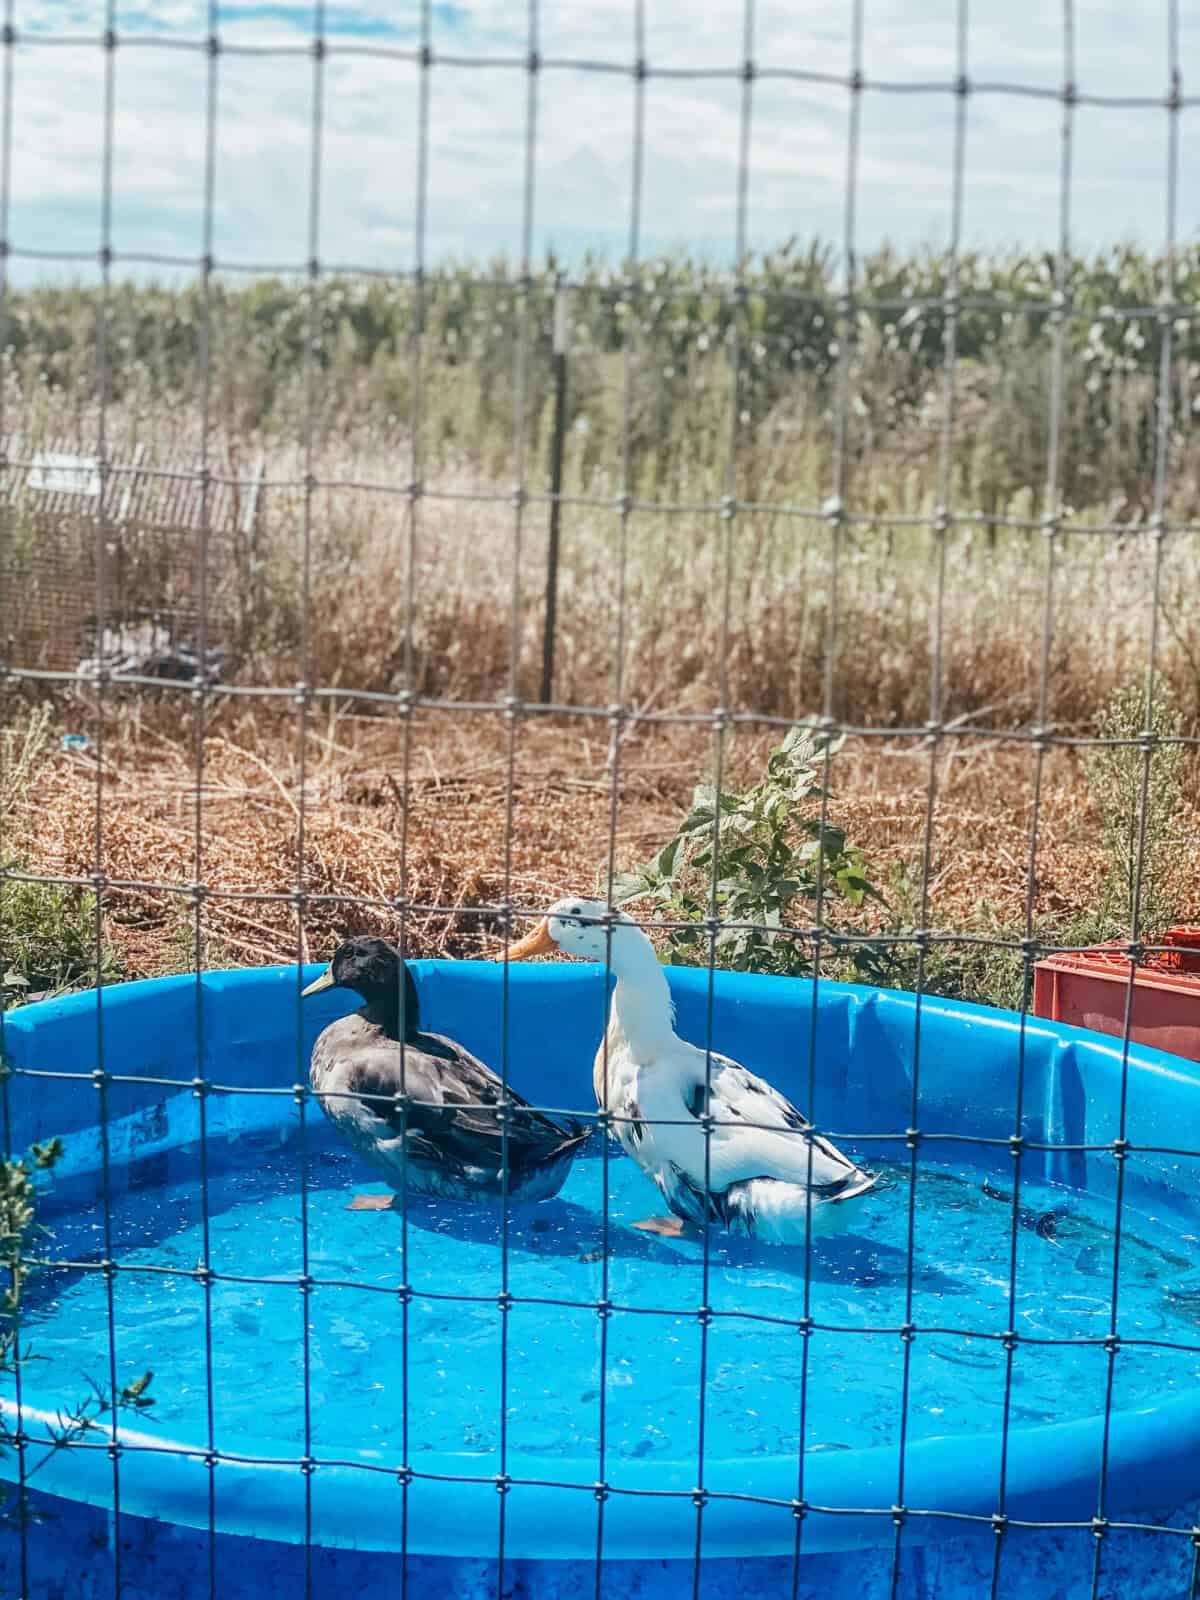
404, 596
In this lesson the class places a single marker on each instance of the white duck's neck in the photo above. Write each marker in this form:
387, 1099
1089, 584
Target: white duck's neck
642, 1004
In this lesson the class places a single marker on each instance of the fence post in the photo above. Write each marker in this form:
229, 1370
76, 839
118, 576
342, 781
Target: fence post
129, 498
251, 517
562, 336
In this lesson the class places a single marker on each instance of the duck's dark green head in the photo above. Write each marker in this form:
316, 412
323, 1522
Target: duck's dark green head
371, 967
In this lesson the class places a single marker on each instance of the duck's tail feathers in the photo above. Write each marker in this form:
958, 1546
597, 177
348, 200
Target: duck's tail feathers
543, 1178
556, 1142
854, 1185
575, 1134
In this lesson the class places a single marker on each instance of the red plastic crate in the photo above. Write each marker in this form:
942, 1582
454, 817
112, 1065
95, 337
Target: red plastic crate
1089, 990
1185, 957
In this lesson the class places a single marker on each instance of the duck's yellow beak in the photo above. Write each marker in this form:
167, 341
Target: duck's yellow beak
537, 943
325, 981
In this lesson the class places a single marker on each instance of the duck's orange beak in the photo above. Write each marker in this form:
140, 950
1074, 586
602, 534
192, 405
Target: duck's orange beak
537, 943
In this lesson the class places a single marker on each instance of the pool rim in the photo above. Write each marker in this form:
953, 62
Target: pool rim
1051, 1469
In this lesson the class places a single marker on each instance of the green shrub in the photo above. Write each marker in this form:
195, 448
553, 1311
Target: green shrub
48, 939
22, 751
773, 854
47, 930
967, 967
1137, 787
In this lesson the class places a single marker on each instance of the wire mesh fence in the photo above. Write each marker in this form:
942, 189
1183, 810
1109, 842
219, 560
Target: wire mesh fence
211, 506
155, 512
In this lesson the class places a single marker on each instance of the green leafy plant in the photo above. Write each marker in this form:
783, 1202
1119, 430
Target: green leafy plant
1117, 777
773, 853
22, 751
984, 966
47, 930
19, 1230
48, 936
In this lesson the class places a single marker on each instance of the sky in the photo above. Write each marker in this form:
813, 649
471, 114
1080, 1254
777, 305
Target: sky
584, 149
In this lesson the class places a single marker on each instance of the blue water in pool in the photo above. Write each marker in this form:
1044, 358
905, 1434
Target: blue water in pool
758, 1372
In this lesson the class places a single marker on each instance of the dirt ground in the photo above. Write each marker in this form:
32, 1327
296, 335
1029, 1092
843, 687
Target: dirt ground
431, 825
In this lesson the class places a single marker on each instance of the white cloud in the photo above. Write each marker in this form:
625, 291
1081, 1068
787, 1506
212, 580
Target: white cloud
585, 126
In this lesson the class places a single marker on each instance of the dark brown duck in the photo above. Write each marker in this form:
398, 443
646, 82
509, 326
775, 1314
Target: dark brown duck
418, 1106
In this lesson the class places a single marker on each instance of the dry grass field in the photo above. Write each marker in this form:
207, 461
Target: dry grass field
362, 851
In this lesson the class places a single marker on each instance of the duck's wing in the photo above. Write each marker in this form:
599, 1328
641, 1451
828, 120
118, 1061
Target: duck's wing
447, 1112
614, 1080
758, 1133
467, 1081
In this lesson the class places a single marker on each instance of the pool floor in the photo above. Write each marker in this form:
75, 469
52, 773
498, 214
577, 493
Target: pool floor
536, 1380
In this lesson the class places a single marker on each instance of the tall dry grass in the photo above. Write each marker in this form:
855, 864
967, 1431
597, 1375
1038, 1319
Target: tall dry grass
446, 596
874, 608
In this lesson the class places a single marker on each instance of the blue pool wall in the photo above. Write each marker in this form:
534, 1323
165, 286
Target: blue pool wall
69, 1556
247, 1030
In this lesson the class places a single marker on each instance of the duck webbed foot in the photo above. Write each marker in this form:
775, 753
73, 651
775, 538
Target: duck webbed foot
667, 1227
372, 1202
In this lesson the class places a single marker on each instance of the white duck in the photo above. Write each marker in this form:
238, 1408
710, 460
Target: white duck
761, 1178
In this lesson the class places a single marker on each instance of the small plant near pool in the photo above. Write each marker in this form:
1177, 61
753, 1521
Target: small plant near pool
48, 936
19, 1231
1137, 804
47, 930
775, 850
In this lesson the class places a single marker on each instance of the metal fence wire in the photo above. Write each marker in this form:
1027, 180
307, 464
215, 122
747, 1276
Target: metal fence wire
210, 482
